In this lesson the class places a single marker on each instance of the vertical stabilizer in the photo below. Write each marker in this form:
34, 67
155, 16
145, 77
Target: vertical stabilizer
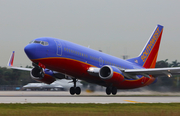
148, 56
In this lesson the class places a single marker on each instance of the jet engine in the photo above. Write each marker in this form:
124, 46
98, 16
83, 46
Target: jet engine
42, 75
111, 74
154, 81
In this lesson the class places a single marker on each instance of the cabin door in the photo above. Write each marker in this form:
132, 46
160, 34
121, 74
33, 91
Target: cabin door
100, 62
59, 47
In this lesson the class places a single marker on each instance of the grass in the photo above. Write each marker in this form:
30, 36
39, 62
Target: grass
155, 109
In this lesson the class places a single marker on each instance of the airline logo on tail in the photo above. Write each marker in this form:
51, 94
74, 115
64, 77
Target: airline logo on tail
148, 56
10, 63
151, 44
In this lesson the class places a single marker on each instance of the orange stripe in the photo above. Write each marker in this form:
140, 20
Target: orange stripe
153, 64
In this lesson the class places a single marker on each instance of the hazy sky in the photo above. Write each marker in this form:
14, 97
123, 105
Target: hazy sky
115, 26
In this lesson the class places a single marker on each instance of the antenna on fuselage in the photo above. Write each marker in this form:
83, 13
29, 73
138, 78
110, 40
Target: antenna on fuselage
125, 56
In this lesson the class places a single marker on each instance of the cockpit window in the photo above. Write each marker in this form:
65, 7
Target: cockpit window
44, 43
37, 42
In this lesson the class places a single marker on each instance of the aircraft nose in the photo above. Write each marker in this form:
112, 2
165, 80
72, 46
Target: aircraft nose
30, 51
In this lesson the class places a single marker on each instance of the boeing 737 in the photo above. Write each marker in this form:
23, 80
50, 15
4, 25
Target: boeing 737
56, 59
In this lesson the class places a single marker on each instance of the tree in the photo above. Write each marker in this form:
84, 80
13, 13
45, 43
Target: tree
14, 77
174, 64
165, 82
162, 64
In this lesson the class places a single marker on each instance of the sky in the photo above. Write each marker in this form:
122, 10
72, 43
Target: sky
117, 27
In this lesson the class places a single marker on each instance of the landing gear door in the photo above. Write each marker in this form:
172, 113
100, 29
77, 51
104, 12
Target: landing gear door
59, 47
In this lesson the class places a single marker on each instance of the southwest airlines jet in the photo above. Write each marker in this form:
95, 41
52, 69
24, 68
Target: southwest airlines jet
57, 59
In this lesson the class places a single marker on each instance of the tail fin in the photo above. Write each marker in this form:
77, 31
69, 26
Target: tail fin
11, 59
148, 56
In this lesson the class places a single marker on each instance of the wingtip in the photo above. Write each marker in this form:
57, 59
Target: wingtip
11, 59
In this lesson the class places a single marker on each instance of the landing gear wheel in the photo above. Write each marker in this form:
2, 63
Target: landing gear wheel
108, 90
75, 89
78, 90
114, 90
72, 91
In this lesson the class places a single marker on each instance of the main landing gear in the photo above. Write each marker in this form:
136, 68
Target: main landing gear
110, 90
75, 90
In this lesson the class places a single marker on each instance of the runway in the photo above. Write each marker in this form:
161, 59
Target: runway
97, 97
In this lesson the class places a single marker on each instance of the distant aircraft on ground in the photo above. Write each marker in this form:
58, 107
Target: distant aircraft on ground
55, 59
62, 84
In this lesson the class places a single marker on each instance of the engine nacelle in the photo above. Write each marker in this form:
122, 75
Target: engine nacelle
156, 79
42, 75
111, 74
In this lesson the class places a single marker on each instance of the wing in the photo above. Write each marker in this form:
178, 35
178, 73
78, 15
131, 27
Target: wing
57, 75
10, 63
130, 73
19, 68
155, 72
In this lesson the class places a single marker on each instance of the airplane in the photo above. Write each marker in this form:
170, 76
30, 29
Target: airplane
56, 58
62, 84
